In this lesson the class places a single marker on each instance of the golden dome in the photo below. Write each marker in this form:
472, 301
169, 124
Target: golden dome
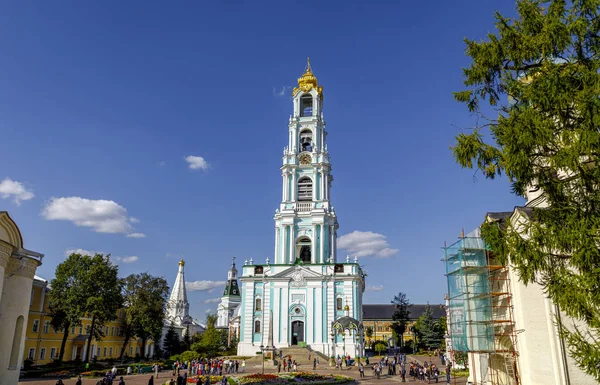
308, 81
182, 262
346, 308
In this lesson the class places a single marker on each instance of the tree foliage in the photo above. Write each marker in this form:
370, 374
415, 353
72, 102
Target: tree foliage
145, 300
213, 341
401, 315
540, 72
67, 298
102, 295
429, 330
172, 343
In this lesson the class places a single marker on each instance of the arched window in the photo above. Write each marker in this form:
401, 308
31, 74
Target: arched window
305, 189
306, 141
304, 250
257, 326
16, 344
258, 304
306, 105
338, 304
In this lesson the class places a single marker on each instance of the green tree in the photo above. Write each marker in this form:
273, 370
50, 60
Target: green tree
369, 334
145, 300
102, 290
429, 330
540, 71
380, 347
211, 342
401, 315
67, 299
171, 343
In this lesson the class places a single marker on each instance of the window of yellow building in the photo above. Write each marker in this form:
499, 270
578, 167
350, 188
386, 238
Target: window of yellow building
35, 326
110, 352
106, 332
46, 327
112, 330
130, 351
52, 353
98, 352
42, 353
80, 329
104, 352
31, 354
73, 329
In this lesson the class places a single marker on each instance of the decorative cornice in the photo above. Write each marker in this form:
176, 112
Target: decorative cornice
22, 267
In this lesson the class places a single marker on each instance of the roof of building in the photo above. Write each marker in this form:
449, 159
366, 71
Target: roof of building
385, 311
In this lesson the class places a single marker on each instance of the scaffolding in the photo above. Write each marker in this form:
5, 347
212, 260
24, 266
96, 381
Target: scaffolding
481, 321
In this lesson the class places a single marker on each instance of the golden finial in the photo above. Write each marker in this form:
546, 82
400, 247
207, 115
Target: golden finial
346, 308
182, 262
308, 81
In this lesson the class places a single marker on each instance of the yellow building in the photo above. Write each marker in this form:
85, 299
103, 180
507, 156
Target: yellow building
379, 318
42, 343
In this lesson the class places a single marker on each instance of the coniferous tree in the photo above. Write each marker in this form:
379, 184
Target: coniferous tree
171, 343
540, 71
401, 315
429, 330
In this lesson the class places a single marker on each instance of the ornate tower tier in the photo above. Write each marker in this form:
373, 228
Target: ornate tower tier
231, 298
305, 223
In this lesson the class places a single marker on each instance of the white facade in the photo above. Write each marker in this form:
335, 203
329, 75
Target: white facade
17, 271
304, 289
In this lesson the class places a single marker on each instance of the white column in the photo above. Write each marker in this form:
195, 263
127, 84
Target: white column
275, 256
293, 192
322, 184
322, 243
315, 186
313, 251
334, 246
282, 245
292, 244
332, 241
283, 187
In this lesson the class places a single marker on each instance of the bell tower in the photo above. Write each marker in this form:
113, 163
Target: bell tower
305, 223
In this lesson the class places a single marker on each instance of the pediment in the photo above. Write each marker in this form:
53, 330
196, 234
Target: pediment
296, 273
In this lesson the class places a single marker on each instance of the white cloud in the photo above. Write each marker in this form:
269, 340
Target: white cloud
136, 235
366, 243
133, 220
103, 216
207, 311
15, 190
196, 162
82, 252
128, 259
375, 288
212, 300
284, 90
162, 163
204, 285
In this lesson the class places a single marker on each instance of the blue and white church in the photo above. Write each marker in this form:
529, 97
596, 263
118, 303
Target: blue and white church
304, 296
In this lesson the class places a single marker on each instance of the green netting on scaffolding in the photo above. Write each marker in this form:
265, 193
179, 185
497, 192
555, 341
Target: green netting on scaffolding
470, 307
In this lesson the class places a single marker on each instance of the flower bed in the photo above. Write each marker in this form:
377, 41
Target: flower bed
62, 373
293, 377
213, 380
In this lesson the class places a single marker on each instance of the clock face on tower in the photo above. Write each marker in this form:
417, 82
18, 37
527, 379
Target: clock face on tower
305, 158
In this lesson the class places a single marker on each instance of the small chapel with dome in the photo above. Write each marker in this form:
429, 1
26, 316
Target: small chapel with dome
304, 296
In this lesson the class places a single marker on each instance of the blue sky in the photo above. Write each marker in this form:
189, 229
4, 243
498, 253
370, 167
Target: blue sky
102, 102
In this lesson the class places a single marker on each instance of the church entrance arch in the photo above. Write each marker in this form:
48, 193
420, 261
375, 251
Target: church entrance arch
297, 332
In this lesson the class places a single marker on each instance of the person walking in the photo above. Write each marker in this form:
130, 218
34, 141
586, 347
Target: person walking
315, 364
151, 380
361, 369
